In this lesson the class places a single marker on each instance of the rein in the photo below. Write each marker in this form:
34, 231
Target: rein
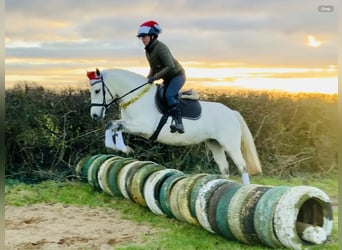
133, 100
115, 100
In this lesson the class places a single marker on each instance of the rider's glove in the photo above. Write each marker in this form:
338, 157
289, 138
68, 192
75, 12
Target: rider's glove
151, 79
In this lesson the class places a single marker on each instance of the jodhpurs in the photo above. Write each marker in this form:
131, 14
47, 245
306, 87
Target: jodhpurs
172, 89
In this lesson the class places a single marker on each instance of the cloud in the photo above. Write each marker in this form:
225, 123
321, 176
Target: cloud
249, 32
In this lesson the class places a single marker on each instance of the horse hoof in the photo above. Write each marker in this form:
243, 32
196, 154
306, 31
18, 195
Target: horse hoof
128, 150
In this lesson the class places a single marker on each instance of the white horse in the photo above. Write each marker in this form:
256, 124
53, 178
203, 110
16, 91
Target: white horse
221, 128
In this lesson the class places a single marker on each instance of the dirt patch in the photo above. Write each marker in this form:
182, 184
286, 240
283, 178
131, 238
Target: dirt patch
56, 226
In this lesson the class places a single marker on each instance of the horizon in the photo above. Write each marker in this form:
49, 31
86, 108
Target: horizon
283, 79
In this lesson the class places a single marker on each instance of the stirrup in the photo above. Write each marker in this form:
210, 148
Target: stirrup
174, 130
174, 127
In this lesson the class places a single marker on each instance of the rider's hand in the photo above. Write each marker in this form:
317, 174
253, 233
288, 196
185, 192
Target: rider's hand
151, 79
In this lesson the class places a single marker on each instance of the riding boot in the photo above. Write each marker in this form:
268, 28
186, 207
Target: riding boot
176, 124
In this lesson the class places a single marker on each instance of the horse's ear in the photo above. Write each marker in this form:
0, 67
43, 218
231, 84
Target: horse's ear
98, 74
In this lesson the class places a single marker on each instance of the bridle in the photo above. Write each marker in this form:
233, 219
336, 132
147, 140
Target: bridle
104, 104
104, 89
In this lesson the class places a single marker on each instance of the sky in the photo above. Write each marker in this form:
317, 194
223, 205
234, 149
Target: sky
247, 43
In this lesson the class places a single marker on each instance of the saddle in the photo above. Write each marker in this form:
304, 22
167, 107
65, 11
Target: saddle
188, 101
189, 105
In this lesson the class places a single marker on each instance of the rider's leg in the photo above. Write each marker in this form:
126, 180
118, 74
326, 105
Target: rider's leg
171, 95
176, 124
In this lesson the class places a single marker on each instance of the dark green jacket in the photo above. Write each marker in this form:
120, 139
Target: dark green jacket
162, 64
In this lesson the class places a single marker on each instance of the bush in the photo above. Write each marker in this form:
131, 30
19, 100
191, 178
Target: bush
294, 133
47, 133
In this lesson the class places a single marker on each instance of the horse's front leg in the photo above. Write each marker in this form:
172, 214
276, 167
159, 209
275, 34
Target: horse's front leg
114, 138
116, 125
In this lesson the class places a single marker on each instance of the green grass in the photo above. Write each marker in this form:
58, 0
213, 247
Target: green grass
173, 234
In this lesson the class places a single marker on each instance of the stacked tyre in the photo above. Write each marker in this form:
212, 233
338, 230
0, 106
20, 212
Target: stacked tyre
281, 216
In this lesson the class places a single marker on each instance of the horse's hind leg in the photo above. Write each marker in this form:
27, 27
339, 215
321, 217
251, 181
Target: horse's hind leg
237, 158
219, 156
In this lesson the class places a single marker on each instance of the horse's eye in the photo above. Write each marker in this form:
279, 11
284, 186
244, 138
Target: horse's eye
97, 91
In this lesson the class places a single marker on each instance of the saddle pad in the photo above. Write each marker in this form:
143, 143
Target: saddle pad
190, 109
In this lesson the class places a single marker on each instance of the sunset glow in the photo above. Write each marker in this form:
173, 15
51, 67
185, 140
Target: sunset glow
229, 43
321, 80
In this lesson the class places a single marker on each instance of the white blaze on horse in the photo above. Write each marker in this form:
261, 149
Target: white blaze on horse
222, 129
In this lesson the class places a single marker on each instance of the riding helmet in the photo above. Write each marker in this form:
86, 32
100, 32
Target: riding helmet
149, 28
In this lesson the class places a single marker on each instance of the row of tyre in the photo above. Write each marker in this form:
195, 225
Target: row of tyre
252, 214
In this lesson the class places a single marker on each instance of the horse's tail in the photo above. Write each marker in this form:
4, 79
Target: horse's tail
248, 148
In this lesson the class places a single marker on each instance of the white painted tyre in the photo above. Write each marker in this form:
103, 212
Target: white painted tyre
102, 175
152, 187
199, 183
202, 202
301, 204
122, 178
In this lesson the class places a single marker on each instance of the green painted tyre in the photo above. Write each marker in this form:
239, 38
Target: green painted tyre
94, 168
234, 211
102, 175
197, 186
130, 175
87, 165
113, 174
79, 167
165, 192
213, 204
264, 214
304, 204
136, 188
202, 202
152, 189
184, 199
223, 211
247, 215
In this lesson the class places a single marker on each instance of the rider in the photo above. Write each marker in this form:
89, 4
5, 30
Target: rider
163, 66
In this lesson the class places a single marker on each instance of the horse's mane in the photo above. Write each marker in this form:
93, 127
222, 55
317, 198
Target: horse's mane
123, 74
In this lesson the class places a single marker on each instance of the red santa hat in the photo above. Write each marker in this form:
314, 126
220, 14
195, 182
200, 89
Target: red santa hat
149, 28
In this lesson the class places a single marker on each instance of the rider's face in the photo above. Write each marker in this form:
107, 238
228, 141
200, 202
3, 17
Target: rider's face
145, 40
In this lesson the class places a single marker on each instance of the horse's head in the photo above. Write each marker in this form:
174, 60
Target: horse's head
101, 96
